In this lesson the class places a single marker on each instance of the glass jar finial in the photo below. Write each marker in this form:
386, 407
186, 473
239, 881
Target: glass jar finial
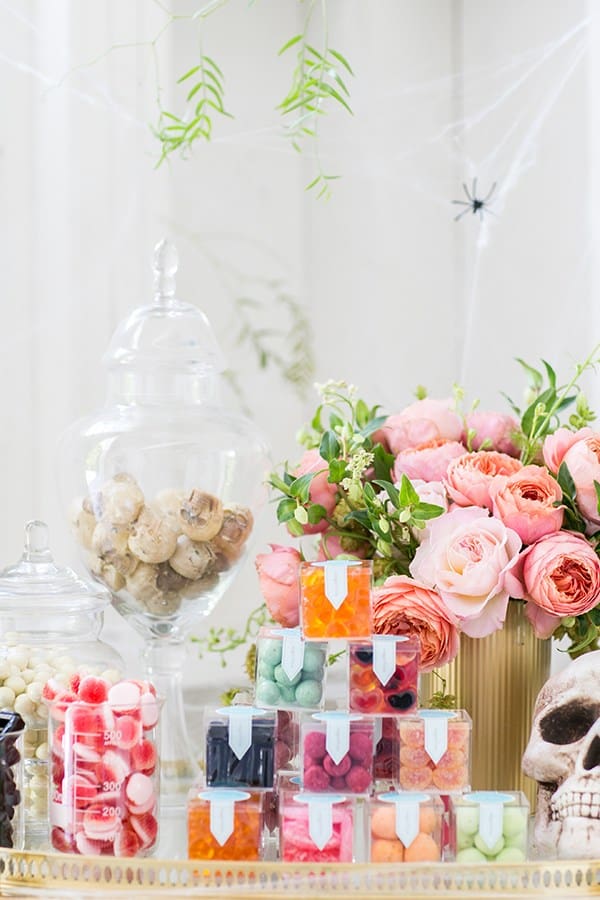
165, 266
36, 547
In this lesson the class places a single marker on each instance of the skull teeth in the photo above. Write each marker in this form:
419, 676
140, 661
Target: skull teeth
581, 804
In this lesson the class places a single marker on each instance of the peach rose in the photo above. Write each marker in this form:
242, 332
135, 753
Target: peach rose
321, 491
583, 462
465, 556
278, 575
431, 492
560, 576
420, 422
495, 428
427, 461
556, 445
525, 502
469, 476
403, 606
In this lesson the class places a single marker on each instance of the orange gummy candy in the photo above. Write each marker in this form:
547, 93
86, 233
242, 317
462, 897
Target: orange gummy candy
422, 849
387, 851
242, 844
320, 619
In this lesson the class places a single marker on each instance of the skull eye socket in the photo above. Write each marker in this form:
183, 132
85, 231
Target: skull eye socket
568, 723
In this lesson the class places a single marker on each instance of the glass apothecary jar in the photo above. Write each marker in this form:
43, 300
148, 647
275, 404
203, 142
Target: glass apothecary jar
162, 485
50, 620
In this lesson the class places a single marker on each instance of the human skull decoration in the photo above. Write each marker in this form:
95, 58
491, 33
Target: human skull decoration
563, 756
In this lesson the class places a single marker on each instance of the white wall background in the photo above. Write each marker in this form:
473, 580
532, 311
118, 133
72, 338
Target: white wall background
397, 292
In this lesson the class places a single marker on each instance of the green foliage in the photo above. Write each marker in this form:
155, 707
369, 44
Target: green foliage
223, 640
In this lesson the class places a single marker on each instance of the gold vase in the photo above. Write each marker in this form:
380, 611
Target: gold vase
497, 679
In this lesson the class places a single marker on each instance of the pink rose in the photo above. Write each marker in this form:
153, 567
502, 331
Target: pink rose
427, 461
431, 492
321, 491
560, 576
330, 547
583, 462
556, 445
469, 477
465, 556
278, 575
525, 502
495, 428
420, 422
403, 606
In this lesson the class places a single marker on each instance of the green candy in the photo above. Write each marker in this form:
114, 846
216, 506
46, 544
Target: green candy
489, 851
464, 840
267, 692
467, 820
470, 856
265, 670
513, 823
270, 651
309, 693
288, 694
510, 855
314, 659
283, 679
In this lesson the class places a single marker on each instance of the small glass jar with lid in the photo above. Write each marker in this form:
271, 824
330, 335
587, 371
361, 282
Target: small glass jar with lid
50, 620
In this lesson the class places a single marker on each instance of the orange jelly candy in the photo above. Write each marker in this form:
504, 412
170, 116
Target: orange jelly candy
242, 844
320, 617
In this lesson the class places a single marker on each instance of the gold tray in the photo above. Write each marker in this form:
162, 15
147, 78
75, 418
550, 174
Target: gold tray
32, 875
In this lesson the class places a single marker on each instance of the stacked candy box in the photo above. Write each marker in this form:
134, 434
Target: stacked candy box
489, 826
434, 752
290, 673
240, 747
405, 827
336, 752
12, 727
225, 823
383, 675
316, 827
104, 768
335, 599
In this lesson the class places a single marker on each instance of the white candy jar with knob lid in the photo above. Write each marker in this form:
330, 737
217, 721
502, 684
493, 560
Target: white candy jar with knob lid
50, 620
162, 485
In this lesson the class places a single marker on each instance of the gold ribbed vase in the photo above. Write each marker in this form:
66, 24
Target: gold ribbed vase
497, 679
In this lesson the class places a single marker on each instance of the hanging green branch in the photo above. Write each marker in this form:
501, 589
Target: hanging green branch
317, 82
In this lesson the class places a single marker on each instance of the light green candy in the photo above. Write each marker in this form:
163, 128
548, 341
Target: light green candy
513, 822
510, 855
282, 679
267, 692
288, 694
517, 840
314, 659
467, 819
265, 670
470, 856
270, 651
489, 851
309, 693
464, 839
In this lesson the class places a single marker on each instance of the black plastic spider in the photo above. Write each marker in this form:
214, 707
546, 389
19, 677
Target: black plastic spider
474, 204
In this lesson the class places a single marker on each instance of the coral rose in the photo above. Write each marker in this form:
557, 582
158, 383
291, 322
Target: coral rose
560, 576
403, 606
428, 461
465, 556
469, 476
583, 462
556, 445
525, 502
497, 429
420, 422
321, 491
278, 575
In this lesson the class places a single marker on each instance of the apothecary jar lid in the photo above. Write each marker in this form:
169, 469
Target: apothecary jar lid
36, 584
168, 335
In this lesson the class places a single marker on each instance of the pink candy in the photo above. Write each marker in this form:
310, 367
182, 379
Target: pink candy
352, 774
104, 767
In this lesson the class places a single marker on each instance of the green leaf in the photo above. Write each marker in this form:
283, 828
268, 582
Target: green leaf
295, 528
373, 425
368, 492
512, 404
382, 462
566, 482
327, 89
278, 483
290, 43
547, 399
316, 513
341, 59
285, 509
536, 378
408, 495
335, 421
187, 75
390, 490
597, 489
551, 374
300, 487
362, 413
301, 515
212, 63
329, 448
427, 511
337, 471
316, 419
